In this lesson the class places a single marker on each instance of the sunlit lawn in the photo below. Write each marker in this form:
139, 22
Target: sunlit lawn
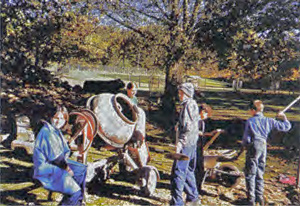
227, 106
156, 80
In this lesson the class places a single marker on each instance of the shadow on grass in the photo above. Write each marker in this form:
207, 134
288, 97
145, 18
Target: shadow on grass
17, 174
10, 197
117, 192
243, 201
241, 100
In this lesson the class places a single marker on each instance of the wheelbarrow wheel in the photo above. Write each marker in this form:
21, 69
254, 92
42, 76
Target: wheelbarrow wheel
149, 181
229, 175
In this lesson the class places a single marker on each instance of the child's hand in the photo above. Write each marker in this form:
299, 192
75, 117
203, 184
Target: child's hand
220, 130
176, 127
70, 171
281, 115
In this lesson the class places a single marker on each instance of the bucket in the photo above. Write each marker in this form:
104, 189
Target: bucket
116, 116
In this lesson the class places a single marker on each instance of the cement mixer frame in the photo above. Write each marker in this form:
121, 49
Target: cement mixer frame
132, 153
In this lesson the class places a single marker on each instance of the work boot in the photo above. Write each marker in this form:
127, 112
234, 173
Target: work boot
194, 203
251, 202
261, 201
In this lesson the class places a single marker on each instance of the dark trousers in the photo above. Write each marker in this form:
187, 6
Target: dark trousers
199, 172
254, 170
183, 178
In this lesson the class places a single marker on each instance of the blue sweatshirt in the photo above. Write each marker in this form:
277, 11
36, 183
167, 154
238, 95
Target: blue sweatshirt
259, 127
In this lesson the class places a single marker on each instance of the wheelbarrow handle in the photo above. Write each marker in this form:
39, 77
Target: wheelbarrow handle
218, 132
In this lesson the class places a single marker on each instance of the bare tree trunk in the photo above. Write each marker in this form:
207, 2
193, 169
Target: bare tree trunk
298, 173
37, 58
169, 97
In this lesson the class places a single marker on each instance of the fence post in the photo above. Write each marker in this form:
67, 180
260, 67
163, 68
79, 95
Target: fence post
298, 173
149, 83
139, 80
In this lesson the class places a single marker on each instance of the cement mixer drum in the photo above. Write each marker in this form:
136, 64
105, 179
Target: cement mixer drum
116, 116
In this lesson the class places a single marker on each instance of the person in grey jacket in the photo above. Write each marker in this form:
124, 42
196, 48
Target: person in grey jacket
183, 177
256, 132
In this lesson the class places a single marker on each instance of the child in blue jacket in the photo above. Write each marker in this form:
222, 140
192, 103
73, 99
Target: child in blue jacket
256, 132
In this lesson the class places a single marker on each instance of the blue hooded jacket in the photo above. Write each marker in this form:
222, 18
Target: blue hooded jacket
50, 145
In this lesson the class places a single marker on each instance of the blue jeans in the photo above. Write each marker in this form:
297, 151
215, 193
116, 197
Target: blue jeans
254, 170
79, 171
183, 178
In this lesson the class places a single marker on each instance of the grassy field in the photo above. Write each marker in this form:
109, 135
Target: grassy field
229, 113
157, 82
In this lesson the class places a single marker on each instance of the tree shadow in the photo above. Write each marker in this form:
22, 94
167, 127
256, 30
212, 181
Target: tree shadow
117, 192
164, 175
293, 194
21, 195
162, 185
242, 201
242, 99
225, 198
205, 193
15, 173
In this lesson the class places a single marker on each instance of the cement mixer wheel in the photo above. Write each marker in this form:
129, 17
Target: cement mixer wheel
149, 177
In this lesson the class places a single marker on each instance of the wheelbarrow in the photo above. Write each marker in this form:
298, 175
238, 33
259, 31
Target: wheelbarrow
217, 169
226, 174
121, 126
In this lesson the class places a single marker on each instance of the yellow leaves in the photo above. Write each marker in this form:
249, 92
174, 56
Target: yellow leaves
291, 34
249, 36
234, 55
295, 74
273, 68
238, 36
12, 98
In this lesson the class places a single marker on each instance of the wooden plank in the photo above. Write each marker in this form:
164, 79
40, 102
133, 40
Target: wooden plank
212, 140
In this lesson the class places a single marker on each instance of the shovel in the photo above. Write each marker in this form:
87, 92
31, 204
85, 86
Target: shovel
177, 156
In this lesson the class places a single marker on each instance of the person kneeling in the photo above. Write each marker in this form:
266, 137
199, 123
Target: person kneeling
51, 164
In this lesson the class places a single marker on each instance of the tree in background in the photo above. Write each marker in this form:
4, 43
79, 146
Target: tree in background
28, 28
254, 39
239, 32
177, 20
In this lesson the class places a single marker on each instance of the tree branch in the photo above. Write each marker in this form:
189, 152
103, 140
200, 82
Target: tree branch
162, 10
185, 15
141, 12
194, 14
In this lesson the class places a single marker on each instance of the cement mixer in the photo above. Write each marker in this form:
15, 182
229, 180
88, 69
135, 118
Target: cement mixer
121, 125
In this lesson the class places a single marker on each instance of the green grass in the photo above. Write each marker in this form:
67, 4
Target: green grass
226, 106
157, 81
212, 83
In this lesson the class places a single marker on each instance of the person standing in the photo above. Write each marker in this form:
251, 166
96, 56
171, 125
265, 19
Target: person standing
256, 132
131, 90
183, 177
205, 112
51, 164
